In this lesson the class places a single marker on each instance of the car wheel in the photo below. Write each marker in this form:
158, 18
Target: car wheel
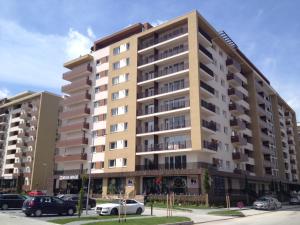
70, 212
27, 214
114, 211
139, 211
38, 213
4, 207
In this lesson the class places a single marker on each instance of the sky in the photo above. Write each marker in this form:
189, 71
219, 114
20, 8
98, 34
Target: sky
37, 36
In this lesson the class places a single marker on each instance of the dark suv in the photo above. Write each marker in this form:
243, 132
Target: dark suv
75, 198
39, 205
9, 201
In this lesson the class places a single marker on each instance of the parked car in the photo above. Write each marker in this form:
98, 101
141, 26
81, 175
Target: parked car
267, 203
39, 205
75, 198
295, 200
132, 207
9, 201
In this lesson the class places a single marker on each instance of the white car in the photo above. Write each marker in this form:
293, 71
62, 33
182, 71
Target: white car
132, 207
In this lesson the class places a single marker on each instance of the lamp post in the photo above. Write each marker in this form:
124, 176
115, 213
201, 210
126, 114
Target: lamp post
90, 169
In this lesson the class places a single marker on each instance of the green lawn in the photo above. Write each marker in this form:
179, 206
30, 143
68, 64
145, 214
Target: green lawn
75, 218
227, 213
101, 201
146, 221
181, 207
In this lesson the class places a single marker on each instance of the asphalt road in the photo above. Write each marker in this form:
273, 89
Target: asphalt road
282, 217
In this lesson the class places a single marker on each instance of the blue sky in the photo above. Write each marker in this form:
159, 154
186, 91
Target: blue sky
36, 37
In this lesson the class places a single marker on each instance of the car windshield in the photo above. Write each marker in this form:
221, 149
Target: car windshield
263, 199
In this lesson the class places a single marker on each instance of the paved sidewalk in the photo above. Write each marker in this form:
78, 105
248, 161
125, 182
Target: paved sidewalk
8, 219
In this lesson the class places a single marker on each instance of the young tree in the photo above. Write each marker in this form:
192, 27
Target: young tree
79, 204
206, 186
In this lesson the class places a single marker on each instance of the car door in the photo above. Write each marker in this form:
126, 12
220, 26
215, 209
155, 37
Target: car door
59, 205
19, 201
47, 205
131, 206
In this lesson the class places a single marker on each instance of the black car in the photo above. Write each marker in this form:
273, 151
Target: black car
10, 201
39, 205
74, 199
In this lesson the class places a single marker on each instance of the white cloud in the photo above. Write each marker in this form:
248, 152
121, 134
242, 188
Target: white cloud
4, 93
36, 59
91, 33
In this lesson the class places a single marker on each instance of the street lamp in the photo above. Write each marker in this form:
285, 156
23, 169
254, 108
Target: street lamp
90, 169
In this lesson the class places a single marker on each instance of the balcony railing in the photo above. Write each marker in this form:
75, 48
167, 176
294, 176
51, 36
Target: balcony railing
75, 99
164, 55
164, 127
234, 79
204, 34
165, 146
237, 123
235, 94
72, 142
209, 106
207, 87
75, 157
81, 71
163, 90
74, 127
79, 112
239, 156
76, 85
205, 51
180, 166
171, 35
163, 72
211, 125
211, 145
233, 66
207, 70
236, 139
165, 107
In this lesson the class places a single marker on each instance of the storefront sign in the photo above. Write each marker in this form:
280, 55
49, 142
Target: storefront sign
70, 177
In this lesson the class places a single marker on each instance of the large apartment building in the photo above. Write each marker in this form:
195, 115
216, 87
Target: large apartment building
28, 126
151, 108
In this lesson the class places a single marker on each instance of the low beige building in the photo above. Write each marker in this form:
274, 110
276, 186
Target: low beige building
28, 127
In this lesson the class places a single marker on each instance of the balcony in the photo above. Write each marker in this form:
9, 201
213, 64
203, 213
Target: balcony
293, 161
236, 109
163, 147
267, 163
239, 157
32, 133
79, 71
234, 80
164, 73
165, 108
67, 158
238, 140
21, 145
73, 127
80, 141
174, 88
24, 125
204, 38
76, 99
163, 38
205, 55
206, 74
77, 85
210, 146
207, 109
237, 124
294, 171
241, 172
290, 142
235, 94
233, 66
209, 126
75, 113
163, 57
163, 127
206, 90
23, 134
31, 143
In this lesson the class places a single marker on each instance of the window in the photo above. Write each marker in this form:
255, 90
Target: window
112, 163
116, 50
228, 164
120, 79
115, 95
97, 76
223, 98
113, 145
97, 89
114, 128
124, 162
223, 83
116, 65
120, 94
226, 130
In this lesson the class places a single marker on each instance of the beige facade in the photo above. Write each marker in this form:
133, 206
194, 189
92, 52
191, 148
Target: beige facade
28, 135
180, 98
